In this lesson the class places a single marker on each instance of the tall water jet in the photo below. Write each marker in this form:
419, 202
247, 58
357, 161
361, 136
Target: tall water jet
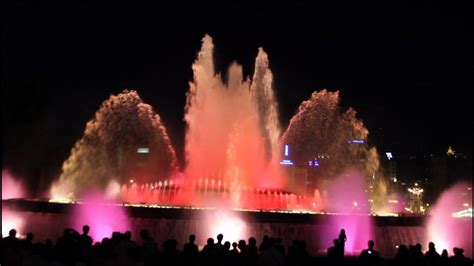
112, 148
232, 128
450, 219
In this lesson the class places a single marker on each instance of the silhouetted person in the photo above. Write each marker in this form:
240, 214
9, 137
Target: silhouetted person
11, 240
402, 257
370, 255
279, 246
458, 258
127, 239
333, 252
252, 248
242, 247
170, 254
226, 247
209, 253
84, 244
219, 245
264, 243
342, 241
270, 255
444, 259
190, 249
150, 249
10, 248
431, 256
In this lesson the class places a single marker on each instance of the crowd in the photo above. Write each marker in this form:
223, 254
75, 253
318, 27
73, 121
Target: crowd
77, 249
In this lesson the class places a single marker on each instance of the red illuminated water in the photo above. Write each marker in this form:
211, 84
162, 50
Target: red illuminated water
234, 147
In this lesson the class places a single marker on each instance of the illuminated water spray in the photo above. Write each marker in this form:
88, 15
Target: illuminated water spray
108, 149
232, 128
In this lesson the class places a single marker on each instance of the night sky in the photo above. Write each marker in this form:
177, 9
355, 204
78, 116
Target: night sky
406, 68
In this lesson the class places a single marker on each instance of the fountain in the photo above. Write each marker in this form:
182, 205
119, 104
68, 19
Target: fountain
111, 146
242, 169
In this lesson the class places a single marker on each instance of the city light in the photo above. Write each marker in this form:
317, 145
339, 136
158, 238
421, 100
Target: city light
286, 162
416, 191
143, 150
356, 141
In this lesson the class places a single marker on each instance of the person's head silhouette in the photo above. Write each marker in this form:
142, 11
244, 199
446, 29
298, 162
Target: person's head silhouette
219, 238
371, 244
128, 235
85, 229
431, 246
210, 241
192, 238
444, 253
252, 242
12, 233
29, 237
144, 234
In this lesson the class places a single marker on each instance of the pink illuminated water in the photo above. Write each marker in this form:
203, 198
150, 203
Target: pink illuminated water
11, 220
227, 223
347, 195
447, 231
233, 146
11, 187
232, 127
102, 215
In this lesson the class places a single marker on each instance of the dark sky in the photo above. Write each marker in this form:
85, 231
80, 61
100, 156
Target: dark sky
406, 68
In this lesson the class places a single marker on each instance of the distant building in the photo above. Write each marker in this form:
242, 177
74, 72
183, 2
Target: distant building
448, 169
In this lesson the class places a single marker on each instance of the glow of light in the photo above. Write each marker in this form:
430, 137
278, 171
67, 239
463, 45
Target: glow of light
389, 155
310, 163
103, 216
358, 141
231, 226
316, 163
143, 150
467, 213
11, 188
286, 150
131, 180
11, 220
355, 204
465, 204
